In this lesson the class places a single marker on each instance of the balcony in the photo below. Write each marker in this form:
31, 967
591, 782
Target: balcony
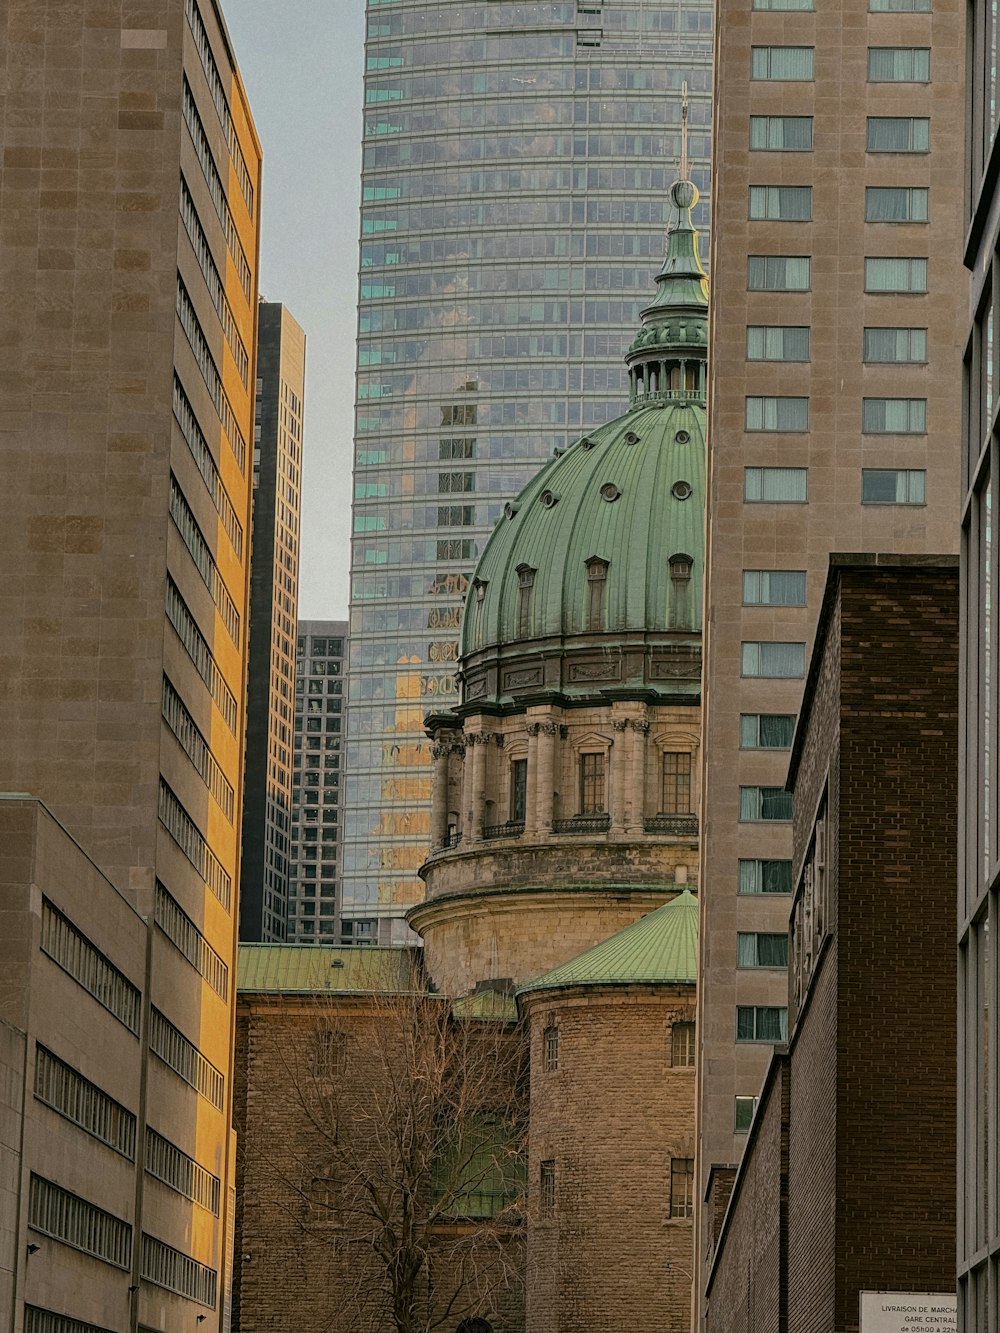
512, 829
684, 826
582, 824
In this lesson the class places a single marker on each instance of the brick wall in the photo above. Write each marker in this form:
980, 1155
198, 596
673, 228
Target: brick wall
610, 1118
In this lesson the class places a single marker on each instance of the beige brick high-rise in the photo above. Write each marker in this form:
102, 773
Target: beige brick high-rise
129, 205
834, 410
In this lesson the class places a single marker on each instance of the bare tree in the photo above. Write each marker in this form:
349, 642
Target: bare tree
400, 1154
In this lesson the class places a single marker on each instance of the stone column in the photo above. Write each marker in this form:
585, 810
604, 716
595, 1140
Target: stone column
619, 774
479, 759
439, 794
548, 731
531, 793
640, 730
468, 775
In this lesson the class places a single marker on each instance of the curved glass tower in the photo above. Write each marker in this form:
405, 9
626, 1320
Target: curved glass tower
517, 162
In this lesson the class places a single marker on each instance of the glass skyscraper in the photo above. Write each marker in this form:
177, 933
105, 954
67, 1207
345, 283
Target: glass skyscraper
517, 160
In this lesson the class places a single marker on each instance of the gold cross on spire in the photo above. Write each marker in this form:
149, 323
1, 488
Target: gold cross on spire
684, 131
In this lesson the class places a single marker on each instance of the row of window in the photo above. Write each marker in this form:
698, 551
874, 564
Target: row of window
201, 553
884, 275
886, 64
879, 416
205, 461
880, 345
216, 189
74, 953
66, 1217
213, 280
188, 837
202, 353
197, 749
182, 932
883, 134
37, 1320
217, 89
874, 6
184, 1058
175, 1271
794, 203
197, 648
789, 485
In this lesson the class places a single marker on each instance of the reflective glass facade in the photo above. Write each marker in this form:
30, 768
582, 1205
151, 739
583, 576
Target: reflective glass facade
517, 158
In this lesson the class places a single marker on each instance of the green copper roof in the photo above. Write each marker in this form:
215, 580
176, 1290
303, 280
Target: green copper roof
661, 947
651, 463
312, 968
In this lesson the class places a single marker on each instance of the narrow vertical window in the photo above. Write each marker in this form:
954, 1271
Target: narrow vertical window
676, 783
681, 1186
525, 584
682, 1045
550, 1049
518, 790
597, 582
592, 784
547, 1187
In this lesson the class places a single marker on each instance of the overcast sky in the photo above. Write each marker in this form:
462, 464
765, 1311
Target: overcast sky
302, 62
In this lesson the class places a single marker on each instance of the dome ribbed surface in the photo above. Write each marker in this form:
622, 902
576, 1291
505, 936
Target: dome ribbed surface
643, 455
660, 947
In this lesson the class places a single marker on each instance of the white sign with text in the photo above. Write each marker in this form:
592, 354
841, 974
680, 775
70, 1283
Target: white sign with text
908, 1312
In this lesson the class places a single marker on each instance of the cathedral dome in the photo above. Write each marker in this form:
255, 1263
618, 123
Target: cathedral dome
606, 538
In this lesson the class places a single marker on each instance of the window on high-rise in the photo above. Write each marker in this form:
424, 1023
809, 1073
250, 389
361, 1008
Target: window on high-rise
897, 203
778, 273
898, 134
762, 876
893, 486
775, 342
781, 62
895, 345
774, 587
745, 1108
776, 485
766, 731
777, 414
762, 1022
761, 949
765, 805
899, 64
775, 660
781, 134
887, 275
780, 203
894, 416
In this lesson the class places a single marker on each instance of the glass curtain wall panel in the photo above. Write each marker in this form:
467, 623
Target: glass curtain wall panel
517, 159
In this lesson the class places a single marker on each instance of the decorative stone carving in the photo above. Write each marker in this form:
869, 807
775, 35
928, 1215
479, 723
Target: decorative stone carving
516, 680
641, 725
620, 723
595, 671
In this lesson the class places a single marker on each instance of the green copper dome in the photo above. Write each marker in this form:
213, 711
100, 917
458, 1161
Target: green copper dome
608, 537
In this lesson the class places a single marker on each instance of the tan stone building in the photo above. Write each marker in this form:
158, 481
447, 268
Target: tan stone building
565, 845
128, 243
834, 405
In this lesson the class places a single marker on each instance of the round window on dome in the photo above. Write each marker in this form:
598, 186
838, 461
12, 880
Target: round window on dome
609, 491
631, 438
587, 443
681, 490
682, 437
510, 509
549, 498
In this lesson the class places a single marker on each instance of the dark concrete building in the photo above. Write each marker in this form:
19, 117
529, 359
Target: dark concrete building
320, 669
274, 603
847, 1183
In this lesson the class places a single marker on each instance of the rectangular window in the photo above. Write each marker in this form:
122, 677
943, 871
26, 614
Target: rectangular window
766, 731
895, 275
783, 4
774, 587
762, 1022
456, 516
550, 1049
676, 783
182, 828
745, 1108
899, 6
894, 416
169, 1268
896, 203
37, 1320
781, 134
778, 414
780, 203
76, 1222
774, 660
58, 1085
777, 342
592, 784
898, 134
893, 486
757, 876
895, 345
899, 64
763, 805
778, 273
781, 62
754, 949
196, 647
682, 1049
681, 1186
547, 1187
456, 482
456, 448
197, 749
776, 485
518, 790
181, 1172
184, 1058
74, 953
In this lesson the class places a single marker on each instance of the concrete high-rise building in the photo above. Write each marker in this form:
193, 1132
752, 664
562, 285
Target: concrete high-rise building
316, 779
834, 417
515, 195
274, 603
979, 781
128, 245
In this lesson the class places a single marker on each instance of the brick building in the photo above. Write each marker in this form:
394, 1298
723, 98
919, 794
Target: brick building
847, 1183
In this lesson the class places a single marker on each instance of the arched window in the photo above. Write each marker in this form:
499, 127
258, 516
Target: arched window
525, 583
550, 1049
597, 582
